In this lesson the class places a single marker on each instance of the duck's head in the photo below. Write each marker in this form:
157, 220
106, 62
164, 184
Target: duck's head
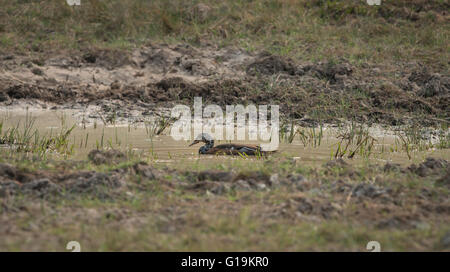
202, 138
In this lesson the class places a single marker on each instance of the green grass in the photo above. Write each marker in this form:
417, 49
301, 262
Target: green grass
354, 139
312, 30
148, 215
27, 138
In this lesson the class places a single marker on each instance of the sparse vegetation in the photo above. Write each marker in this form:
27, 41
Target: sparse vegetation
311, 136
178, 203
353, 140
308, 136
315, 30
363, 94
415, 138
26, 138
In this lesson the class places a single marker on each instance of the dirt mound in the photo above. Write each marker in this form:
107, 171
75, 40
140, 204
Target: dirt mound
370, 191
313, 209
56, 94
11, 173
220, 182
330, 71
430, 166
90, 182
42, 184
144, 170
41, 187
268, 64
111, 156
431, 84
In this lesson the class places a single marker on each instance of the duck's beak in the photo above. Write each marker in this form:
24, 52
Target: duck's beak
194, 142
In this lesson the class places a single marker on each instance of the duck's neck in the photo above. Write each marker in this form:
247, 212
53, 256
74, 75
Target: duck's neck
207, 146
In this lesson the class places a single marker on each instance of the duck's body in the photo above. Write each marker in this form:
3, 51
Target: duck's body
226, 149
233, 149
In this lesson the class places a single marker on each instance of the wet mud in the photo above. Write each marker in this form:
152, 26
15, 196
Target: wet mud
162, 76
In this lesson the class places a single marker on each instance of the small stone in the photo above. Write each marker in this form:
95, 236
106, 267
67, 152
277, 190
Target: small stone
261, 186
242, 185
274, 180
129, 194
37, 71
221, 189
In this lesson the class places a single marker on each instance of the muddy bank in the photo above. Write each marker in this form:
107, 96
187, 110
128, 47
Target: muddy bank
162, 76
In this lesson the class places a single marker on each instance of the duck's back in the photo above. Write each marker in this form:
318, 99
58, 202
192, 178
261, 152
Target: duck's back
235, 149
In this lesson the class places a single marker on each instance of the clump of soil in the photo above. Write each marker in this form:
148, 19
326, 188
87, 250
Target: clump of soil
270, 64
330, 71
429, 166
370, 191
111, 156
431, 84
43, 184
144, 170
90, 182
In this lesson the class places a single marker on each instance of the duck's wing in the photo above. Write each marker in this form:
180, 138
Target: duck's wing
236, 146
235, 149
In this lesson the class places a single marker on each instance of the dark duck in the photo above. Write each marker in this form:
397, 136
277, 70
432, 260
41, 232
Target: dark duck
225, 149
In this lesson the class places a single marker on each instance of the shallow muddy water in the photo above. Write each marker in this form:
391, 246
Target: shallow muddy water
163, 148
